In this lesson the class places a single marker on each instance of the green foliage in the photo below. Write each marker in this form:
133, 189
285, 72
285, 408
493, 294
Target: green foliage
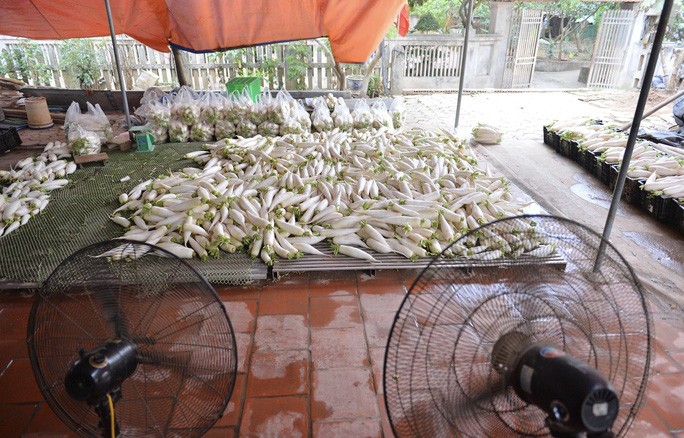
374, 86
297, 57
427, 23
83, 58
675, 32
447, 12
25, 61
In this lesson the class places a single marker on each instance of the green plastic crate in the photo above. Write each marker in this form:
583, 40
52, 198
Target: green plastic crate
252, 84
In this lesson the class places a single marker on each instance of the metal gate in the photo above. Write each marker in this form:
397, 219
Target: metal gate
610, 49
521, 55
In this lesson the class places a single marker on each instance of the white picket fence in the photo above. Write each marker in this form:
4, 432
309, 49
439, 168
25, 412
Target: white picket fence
207, 71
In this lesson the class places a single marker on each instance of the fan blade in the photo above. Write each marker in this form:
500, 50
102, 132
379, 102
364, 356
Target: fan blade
112, 311
469, 404
178, 360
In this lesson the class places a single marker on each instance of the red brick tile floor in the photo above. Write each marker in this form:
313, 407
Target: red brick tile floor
310, 361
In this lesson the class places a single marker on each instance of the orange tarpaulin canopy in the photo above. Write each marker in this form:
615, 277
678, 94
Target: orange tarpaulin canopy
354, 27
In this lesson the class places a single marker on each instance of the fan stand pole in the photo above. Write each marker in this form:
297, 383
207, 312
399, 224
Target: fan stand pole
638, 115
464, 56
105, 424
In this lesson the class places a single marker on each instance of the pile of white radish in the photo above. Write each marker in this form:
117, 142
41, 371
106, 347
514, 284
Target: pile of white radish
29, 184
662, 170
411, 193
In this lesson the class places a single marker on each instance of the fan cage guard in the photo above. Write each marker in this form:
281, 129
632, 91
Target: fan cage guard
162, 305
438, 376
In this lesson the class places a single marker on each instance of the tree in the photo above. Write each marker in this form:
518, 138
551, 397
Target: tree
81, 57
574, 16
25, 61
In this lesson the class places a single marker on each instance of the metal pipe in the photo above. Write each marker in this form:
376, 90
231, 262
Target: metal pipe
464, 55
638, 115
122, 84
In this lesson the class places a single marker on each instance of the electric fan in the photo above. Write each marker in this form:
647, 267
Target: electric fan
125, 345
540, 342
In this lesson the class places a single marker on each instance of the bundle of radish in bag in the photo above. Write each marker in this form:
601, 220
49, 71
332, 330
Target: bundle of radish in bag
363, 119
232, 111
202, 132
342, 118
210, 108
160, 134
178, 132
397, 111
93, 120
380, 115
322, 121
185, 107
82, 141
279, 108
159, 113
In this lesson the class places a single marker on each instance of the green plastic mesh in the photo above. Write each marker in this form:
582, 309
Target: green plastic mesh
78, 216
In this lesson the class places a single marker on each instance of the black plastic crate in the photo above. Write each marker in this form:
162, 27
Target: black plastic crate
673, 211
9, 138
631, 193
584, 157
548, 138
591, 163
564, 148
613, 176
676, 214
654, 204
555, 141
603, 171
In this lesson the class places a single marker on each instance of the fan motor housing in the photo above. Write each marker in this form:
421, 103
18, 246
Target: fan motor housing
576, 397
101, 371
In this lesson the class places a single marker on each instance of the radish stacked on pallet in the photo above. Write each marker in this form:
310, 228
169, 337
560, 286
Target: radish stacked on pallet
29, 184
411, 193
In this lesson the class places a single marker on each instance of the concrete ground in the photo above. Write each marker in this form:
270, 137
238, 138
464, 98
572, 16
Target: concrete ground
556, 79
558, 184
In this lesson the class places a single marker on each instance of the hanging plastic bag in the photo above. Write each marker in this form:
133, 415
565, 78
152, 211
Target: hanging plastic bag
397, 111
363, 119
82, 141
381, 116
178, 132
185, 108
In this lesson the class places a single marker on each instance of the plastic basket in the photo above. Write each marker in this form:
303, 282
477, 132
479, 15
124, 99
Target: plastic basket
632, 190
250, 83
9, 138
548, 138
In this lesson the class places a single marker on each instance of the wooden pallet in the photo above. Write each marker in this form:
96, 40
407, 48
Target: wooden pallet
91, 158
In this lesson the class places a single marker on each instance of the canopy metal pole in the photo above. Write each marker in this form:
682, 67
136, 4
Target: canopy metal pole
638, 115
118, 65
464, 55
